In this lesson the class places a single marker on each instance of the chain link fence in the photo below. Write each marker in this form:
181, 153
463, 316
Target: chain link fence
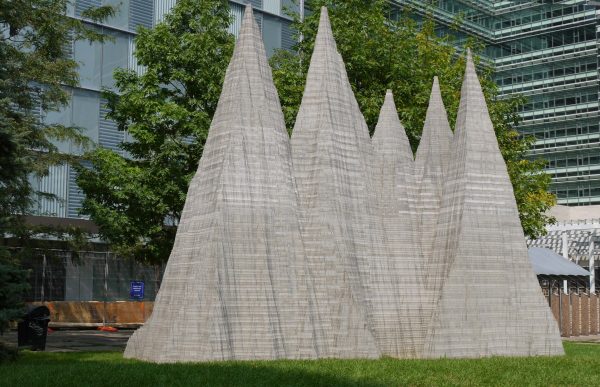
89, 276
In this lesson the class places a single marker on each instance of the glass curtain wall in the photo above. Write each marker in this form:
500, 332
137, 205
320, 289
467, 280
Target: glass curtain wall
97, 63
544, 50
547, 51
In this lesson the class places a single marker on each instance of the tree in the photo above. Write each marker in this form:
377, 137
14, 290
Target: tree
384, 49
14, 285
35, 70
136, 199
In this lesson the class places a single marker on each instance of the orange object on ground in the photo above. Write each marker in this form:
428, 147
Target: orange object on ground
108, 329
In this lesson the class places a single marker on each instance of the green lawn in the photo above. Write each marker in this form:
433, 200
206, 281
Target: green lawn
580, 367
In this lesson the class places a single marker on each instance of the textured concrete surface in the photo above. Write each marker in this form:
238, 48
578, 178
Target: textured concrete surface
236, 284
431, 163
339, 246
595, 339
395, 283
487, 298
331, 152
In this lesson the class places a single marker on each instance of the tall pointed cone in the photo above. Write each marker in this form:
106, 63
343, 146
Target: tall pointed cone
489, 301
431, 162
235, 286
433, 151
390, 137
397, 285
330, 152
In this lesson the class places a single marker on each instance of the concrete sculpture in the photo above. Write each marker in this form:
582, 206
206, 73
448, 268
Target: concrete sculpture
430, 163
334, 245
236, 285
331, 151
397, 281
488, 301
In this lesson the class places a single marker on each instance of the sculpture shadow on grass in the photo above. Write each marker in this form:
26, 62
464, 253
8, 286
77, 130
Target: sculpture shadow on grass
581, 366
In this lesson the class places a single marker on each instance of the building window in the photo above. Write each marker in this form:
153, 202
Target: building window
272, 6
271, 34
115, 54
86, 110
89, 57
121, 17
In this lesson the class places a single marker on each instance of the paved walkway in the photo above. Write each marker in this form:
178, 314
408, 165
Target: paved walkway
81, 340
77, 340
584, 339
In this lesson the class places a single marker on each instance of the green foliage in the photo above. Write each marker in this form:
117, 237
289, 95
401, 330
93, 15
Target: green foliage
530, 182
14, 285
8, 351
580, 367
383, 51
35, 74
137, 199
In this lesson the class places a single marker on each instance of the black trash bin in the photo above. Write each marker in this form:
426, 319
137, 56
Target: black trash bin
32, 331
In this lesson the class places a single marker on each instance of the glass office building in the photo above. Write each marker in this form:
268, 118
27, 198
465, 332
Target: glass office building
546, 50
549, 53
96, 65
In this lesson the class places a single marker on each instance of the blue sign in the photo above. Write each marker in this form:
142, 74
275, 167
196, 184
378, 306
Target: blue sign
136, 290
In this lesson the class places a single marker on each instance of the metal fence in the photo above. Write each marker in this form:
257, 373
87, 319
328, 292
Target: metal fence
89, 276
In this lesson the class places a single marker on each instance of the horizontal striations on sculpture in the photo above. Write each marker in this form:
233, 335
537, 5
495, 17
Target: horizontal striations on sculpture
235, 286
489, 300
330, 152
396, 283
337, 245
430, 162
430, 165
